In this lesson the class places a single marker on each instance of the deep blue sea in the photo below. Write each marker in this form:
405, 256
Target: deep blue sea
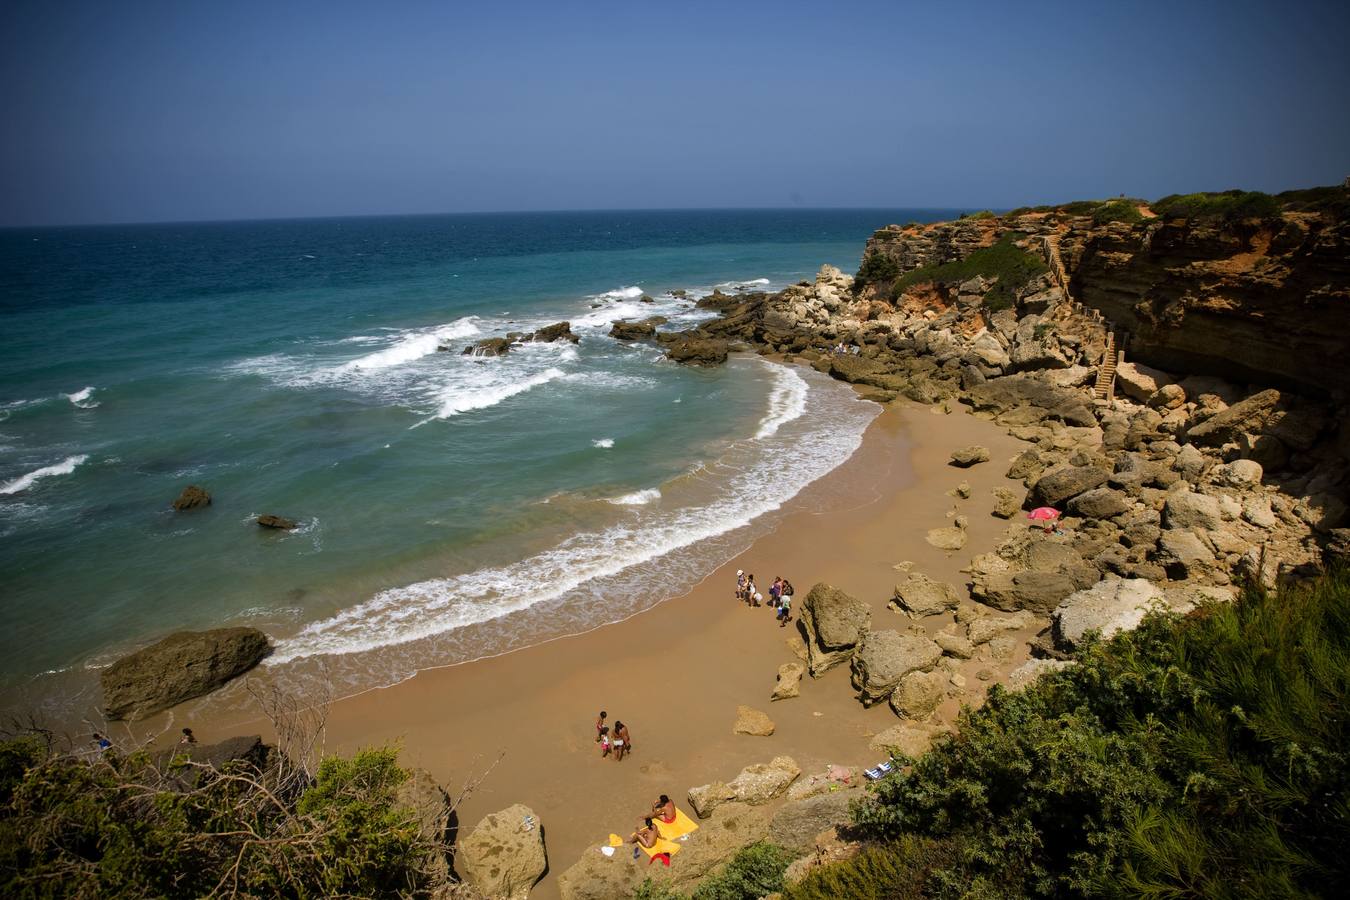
450, 506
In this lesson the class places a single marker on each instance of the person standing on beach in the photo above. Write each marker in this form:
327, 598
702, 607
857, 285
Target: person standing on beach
775, 590
751, 590
600, 725
622, 742
740, 584
784, 611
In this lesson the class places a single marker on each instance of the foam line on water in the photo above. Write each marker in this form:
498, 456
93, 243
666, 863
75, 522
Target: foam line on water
23, 482
414, 346
637, 498
776, 471
787, 401
461, 398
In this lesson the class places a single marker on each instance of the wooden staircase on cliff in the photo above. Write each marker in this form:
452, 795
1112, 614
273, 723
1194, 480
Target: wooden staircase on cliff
1104, 390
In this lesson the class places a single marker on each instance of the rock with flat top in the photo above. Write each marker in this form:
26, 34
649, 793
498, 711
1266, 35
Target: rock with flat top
1058, 486
753, 722
1108, 607
504, 854
762, 782
886, 657
920, 596
1189, 510
950, 538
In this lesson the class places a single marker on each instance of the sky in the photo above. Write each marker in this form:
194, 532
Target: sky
186, 111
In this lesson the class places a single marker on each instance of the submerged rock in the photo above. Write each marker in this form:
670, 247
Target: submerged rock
182, 666
279, 522
560, 331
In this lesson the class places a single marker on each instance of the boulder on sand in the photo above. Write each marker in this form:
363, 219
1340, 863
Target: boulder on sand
504, 855
969, 456
920, 596
1107, 607
182, 666
753, 722
886, 657
192, 498
919, 694
789, 681
1036, 591
833, 623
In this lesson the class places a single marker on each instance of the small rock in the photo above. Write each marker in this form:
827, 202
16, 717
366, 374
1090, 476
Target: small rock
789, 681
752, 722
969, 456
963, 490
192, 497
949, 539
279, 522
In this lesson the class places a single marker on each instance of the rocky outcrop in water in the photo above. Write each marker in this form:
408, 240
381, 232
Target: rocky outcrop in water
192, 497
280, 523
181, 666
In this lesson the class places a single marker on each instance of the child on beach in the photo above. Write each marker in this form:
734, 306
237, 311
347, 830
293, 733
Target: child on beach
600, 725
604, 741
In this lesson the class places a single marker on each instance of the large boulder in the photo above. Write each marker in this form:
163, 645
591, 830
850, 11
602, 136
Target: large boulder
560, 331
833, 623
1100, 503
193, 497
969, 456
1187, 509
504, 854
698, 351
919, 694
885, 657
632, 331
1250, 415
182, 666
707, 797
1006, 502
983, 629
797, 822
920, 596
1107, 607
1036, 591
1183, 555
493, 346
1062, 484
910, 739
1139, 382
761, 782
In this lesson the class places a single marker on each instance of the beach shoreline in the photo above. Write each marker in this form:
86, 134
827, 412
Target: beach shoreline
677, 672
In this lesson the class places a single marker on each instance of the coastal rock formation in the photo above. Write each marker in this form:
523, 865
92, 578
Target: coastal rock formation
698, 351
832, 780
1063, 484
559, 331
193, 497
919, 694
181, 666
493, 346
797, 822
920, 596
789, 681
752, 722
632, 331
886, 657
832, 623
755, 784
1108, 607
280, 523
504, 854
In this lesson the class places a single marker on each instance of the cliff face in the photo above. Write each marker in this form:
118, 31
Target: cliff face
1255, 301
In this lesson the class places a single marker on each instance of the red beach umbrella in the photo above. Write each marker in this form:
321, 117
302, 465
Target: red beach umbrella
1044, 513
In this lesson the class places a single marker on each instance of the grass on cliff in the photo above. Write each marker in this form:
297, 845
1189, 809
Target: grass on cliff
1204, 756
1117, 211
1231, 206
1004, 260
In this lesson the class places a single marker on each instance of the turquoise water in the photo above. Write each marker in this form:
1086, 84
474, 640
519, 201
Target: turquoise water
450, 506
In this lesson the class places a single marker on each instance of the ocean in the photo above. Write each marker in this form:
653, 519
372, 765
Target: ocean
449, 506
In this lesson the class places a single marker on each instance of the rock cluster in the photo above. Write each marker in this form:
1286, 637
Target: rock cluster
500, 346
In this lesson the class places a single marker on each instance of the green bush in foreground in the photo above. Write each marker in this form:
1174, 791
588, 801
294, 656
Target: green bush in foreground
754, 872
119, 826
1199, 757
900, 871
1004, 260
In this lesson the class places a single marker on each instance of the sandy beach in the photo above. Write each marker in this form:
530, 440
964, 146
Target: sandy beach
676, 673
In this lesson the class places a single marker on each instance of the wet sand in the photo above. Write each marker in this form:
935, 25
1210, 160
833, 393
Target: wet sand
676, 673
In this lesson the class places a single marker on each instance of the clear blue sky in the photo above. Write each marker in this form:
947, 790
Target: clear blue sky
141, 111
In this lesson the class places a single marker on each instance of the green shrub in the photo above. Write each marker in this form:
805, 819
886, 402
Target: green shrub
901, 870
1330, 199
1080, 207
1004, 260
755, 871
1117, 211
1229, 205
982, 214
1197, 757
877, 266
656, 890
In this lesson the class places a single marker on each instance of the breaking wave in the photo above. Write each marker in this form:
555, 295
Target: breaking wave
23, 482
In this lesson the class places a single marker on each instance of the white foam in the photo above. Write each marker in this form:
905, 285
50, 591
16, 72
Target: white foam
744, 285
631, 292
82, 398
603, 443
787, 401
414, 345
23, 482
757, 483
466, 397
637, 498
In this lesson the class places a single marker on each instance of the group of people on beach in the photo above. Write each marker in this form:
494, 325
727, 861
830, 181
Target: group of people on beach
614, 742
647, 833
780, 595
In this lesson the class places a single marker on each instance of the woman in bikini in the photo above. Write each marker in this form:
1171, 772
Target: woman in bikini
664, 809
647, 835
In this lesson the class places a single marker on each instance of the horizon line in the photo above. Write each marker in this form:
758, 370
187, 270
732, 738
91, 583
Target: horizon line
490, 212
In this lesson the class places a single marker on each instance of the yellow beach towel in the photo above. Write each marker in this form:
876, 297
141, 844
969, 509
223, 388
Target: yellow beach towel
679, 828
661, 846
